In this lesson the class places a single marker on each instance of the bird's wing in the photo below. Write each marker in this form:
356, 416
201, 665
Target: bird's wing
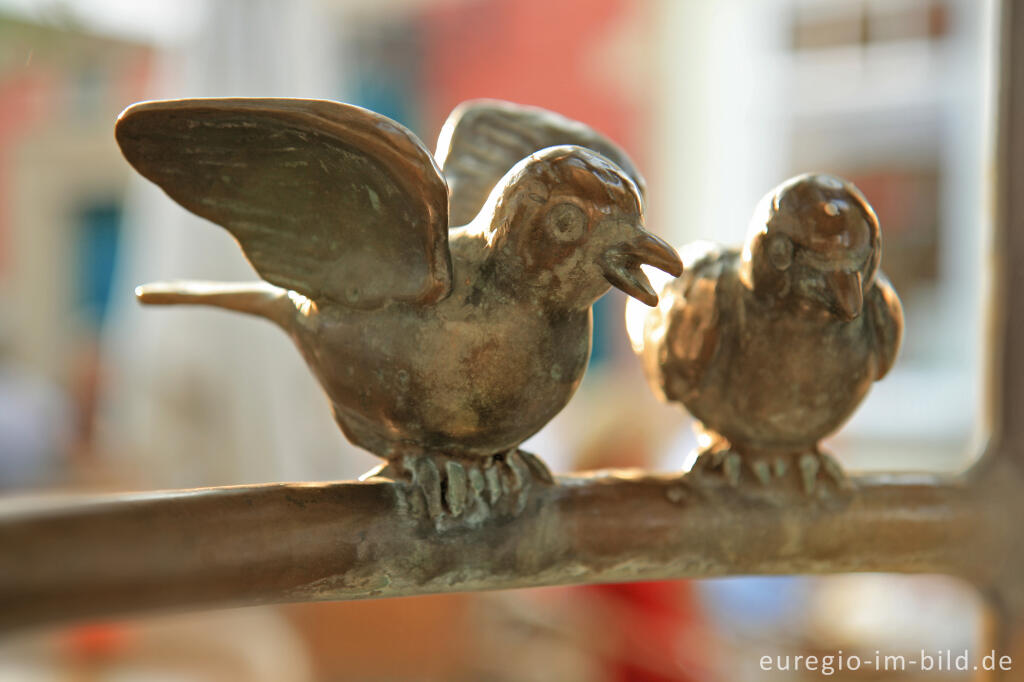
887, 322
692, 332
327, 199
683, 329
483, 139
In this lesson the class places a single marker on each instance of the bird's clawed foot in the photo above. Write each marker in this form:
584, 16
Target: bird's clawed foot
811, 472
466, 491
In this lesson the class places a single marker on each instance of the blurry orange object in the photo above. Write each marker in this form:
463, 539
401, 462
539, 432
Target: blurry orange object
97, 641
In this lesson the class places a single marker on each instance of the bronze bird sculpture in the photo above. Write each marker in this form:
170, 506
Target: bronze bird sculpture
773, 347
440, 350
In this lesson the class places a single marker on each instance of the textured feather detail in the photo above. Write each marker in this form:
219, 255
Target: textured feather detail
683, 328
692, 334
483, 139
328, 199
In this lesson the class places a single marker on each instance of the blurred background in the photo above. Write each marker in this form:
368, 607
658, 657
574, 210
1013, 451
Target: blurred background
717, 102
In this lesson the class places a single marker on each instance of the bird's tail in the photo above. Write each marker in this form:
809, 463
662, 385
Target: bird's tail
255, 298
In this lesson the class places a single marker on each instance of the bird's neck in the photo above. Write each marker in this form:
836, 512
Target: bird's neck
763, 279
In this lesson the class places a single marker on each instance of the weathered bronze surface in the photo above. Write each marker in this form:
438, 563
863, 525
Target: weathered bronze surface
773, 347
439, 351
112, 554
480, 132
119, 554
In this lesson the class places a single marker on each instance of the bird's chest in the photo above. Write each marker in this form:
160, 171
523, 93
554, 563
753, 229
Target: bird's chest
461, 377
788, 374
498, 359
800, 354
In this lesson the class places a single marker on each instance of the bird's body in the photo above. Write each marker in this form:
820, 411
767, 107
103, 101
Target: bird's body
469, 376
774, 346
441, 347
798, 359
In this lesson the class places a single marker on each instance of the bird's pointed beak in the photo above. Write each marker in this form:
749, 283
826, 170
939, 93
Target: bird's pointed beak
621, 265
846, 294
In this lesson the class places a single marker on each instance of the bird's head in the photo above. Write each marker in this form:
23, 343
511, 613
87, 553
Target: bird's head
815, 242
566, 223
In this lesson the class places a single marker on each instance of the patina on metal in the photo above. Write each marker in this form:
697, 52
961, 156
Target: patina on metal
774, 346
482, 131
441, 347
103, 555
117, 554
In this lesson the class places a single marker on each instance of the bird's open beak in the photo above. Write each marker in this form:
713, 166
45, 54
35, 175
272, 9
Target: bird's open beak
845, 293
621, 265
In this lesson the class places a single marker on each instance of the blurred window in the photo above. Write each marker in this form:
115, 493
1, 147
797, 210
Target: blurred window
98, 233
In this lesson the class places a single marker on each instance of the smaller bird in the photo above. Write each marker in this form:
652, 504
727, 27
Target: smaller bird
442, 343
774, 346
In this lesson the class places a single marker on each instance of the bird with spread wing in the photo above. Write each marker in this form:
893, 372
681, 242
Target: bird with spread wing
445, 330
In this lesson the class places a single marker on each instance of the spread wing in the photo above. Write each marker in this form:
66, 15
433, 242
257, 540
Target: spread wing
483, 139
327, 199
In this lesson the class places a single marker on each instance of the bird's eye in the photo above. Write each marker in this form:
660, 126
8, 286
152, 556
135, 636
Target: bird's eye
780, 252
566, 222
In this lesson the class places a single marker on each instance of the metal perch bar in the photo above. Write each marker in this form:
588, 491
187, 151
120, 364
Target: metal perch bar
120, 554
